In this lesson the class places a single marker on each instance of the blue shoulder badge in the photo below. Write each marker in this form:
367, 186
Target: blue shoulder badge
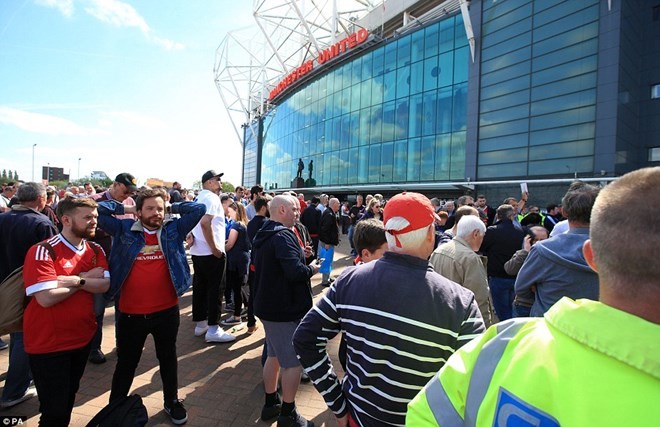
511, 411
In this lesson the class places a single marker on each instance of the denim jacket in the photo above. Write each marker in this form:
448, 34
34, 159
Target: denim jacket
128, 240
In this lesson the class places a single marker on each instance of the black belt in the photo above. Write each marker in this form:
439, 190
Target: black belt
174, 308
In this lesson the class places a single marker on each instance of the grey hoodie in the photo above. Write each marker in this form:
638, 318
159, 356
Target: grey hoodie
557, 268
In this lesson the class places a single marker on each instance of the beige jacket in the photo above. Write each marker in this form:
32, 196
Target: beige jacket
457, 262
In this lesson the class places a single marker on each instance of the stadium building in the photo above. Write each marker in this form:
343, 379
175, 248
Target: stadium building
444, 97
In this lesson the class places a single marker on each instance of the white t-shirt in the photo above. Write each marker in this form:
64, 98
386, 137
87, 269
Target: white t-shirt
560, 228
213, 207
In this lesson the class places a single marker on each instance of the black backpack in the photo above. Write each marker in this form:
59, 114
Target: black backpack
125, 412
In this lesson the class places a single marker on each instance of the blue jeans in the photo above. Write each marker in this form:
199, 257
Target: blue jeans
351, 230
18, 374
521, 310
501, 289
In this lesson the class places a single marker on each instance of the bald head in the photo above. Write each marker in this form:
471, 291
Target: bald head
283, 209
334, 204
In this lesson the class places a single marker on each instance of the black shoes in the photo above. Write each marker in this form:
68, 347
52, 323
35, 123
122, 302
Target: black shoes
328, 283
293, 420
270, 412
96, 357
177, 412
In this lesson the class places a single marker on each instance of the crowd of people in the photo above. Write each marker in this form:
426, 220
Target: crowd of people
455, 313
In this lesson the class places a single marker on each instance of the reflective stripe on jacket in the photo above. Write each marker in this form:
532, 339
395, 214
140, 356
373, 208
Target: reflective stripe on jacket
583, 364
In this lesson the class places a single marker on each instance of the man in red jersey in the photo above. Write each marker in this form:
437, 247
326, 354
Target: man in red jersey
62, 274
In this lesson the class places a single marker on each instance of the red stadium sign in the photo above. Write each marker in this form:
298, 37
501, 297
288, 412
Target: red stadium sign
326, 55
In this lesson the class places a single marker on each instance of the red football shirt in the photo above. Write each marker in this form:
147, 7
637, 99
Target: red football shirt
71, 323
148, 287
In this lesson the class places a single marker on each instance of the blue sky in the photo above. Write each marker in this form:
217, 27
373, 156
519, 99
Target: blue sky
126, 86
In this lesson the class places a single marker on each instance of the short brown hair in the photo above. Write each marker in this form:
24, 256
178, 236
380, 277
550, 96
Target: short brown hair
149, 193
369, 234
69, 204
625, 247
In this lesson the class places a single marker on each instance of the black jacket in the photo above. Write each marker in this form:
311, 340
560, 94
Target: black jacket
311, 218
502, 240
282, 288
329, 229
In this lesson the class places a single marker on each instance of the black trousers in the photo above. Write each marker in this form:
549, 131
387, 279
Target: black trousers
57, 378
250, 303
208, 286
235, 283
132, 332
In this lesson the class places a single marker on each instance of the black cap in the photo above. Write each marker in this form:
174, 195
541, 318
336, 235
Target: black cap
210, 174
128, 180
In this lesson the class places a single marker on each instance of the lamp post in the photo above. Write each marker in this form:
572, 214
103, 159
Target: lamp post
48, 173
78, 168
33, 147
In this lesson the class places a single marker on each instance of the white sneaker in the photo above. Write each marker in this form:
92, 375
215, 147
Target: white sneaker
29, 393
219, 336
200, 331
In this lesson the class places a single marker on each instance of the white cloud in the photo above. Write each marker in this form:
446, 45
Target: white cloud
64, 6
122, 14
42, 123
117, 13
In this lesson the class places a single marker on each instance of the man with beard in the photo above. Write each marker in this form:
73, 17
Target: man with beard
61, 274
149, 267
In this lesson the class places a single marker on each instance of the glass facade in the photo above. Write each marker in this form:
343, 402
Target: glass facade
538, 88
396, 114
250, 153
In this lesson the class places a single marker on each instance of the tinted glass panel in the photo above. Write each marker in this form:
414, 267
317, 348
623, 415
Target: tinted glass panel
400, 160
427, 165
503, 171
387, 162
442, 156
503, 156
553, 167
413, 159
457, 156
565, 149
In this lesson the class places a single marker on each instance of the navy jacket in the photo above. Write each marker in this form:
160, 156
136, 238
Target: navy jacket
282, 289
21, 228
128, 240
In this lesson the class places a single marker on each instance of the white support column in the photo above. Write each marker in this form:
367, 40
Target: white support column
467, 22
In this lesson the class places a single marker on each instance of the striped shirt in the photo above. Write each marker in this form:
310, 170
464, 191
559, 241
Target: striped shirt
401, 320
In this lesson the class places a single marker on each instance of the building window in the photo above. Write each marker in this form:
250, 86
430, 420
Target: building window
655, 91
654, 154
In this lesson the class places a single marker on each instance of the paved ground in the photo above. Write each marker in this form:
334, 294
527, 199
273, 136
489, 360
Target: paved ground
221, 383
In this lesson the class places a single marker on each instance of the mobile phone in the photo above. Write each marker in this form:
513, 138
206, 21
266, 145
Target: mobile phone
320, 260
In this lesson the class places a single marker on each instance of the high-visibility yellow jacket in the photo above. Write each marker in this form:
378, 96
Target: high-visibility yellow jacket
583, 364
